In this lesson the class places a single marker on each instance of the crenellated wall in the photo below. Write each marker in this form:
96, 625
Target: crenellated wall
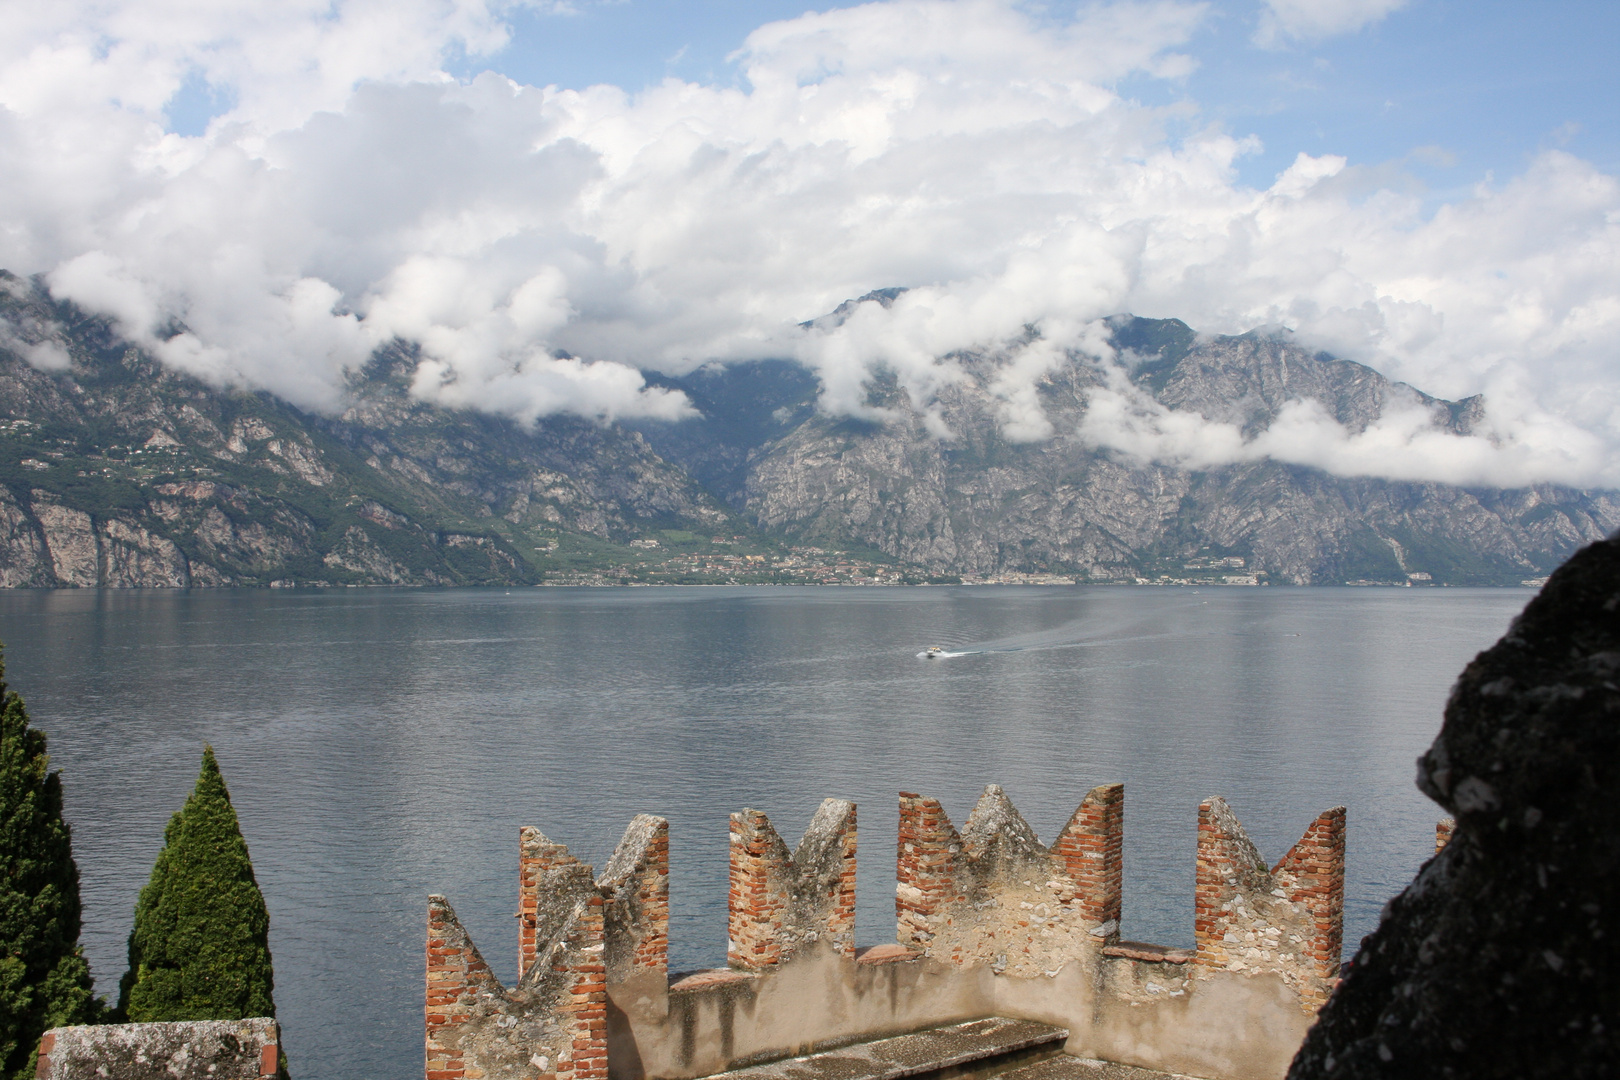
555, 1020
781, 903
995, 894
989, 921
1287, 921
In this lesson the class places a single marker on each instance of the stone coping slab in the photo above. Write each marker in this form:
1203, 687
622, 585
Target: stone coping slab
702, 980
178, 1050
1153, 954
887, 954
929, 1051
1064, 1067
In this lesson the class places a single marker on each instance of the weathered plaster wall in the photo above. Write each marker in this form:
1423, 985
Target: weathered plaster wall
712, 1021
1150, 1014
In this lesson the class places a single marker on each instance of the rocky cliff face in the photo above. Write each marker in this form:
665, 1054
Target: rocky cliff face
977, 503
1499, 960
117, 472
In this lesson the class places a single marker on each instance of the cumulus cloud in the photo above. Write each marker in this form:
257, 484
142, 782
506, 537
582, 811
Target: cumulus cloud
543, 246
1307, 21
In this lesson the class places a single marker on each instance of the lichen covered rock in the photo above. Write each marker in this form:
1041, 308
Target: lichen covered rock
186, 1050
1500, 959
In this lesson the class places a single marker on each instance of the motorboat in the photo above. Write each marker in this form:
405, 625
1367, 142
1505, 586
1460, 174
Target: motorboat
933, 652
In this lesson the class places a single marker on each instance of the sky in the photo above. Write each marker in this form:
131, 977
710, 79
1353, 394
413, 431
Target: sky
549, 197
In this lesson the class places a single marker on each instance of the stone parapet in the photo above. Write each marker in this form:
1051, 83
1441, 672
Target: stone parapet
546, 870
553, 1023
1312, 874
1091, 853
635, 886
989, 922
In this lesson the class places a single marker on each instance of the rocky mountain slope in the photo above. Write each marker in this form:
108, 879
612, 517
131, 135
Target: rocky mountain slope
980, 504
116, 471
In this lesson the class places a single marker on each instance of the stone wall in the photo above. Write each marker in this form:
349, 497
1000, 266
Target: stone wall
191, 1050
989, 921
636, 885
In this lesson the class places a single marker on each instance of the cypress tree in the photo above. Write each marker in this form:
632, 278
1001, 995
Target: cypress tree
200, 949
44, 979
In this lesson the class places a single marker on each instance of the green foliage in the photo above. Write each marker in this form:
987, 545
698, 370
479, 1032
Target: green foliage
1159, 344
44, 979
1452, 562
200, 949
1363, 556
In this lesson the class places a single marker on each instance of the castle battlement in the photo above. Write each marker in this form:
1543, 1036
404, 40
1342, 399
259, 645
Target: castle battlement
989, 922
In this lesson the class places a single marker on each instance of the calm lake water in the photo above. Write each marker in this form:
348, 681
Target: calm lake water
381, 745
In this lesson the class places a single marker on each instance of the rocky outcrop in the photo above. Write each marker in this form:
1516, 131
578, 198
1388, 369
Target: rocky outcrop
23, 562
132, 556
1499, 960
47, 543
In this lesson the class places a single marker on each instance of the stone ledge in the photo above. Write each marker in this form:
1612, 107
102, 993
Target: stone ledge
181, 1050
950, 1050
682, 981
1152, 954
886, 954
1064, 1067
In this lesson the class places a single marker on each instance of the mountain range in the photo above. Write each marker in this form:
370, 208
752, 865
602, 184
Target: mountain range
118, 471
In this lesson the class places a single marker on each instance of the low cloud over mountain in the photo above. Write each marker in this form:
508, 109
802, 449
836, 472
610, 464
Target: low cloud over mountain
544, 247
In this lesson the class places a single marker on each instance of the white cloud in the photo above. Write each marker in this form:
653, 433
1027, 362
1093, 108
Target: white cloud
482, 344
35, 340
280, 61
353, 195
1312, 20
1403, 444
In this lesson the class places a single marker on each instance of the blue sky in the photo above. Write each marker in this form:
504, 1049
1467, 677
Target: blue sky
1472, 86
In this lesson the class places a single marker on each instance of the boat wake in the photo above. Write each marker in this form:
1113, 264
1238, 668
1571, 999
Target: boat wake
1082, 633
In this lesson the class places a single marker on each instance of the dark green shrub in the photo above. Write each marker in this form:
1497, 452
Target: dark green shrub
200, 949
44, 979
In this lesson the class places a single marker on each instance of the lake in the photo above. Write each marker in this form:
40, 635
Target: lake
381, 745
